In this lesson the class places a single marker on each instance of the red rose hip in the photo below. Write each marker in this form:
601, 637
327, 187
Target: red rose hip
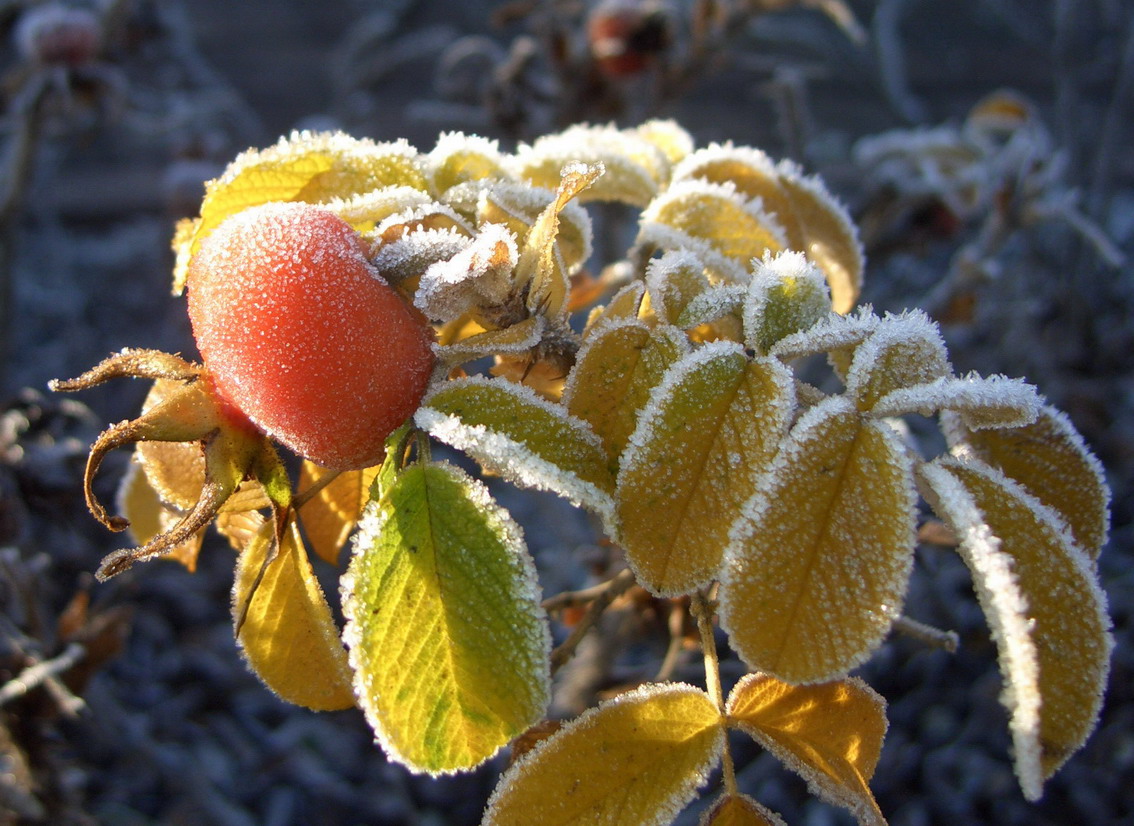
300, 333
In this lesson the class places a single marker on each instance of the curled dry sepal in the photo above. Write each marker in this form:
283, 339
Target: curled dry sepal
675, 415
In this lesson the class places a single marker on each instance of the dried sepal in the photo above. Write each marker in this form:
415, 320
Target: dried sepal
518, 207
1044, 605
1052, 462
404, 258
517, 339
174, 470
477, 276
819, 559
130, 363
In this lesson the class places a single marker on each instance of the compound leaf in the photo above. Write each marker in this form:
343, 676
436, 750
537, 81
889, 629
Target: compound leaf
284, 625
1043, 603
831, 734
819, 559
614, 372
513, 432
702, 442
447, 638
635, 760
1051, 461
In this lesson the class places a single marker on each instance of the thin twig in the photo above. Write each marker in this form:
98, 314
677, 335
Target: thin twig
928, 634
41, 672
604, 594
676, 626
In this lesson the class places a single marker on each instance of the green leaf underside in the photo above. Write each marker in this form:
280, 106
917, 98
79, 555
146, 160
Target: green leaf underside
288, 635
1045, 608
613, 376
819, 559
830, 734
530, 441
709, 431
446, 634
635, 760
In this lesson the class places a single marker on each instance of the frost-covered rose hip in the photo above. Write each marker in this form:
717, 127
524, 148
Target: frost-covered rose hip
299, 331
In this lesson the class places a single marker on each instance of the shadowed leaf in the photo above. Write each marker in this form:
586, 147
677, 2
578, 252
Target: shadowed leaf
331, 515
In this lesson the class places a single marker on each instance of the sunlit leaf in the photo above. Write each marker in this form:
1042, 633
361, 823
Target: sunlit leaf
519, 206
1043, 604
1051, 461
831, 734
614, 372
829, 236
446, 634
675, 279
175, 470
635, 760
716, 223
739, 810
457, 158
819, 560
516, 339
702, 442
624, 304
713, 305
284, 624
531, 442
787, 294
836, 335
149, 516
992, 402
331, 515
902, 351
635, 167
668, 136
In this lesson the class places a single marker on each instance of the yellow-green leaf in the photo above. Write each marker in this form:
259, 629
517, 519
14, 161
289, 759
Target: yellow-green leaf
787, 294
702, 442
831, 734
635, 760
979, 402
516, 340
830, 239
446, 634
903, 351
624, 304
716, 223
819, 559
739, 810
614, 372
1043, 604
674, 280
331, 515
284, 624
1051, 461
526, 439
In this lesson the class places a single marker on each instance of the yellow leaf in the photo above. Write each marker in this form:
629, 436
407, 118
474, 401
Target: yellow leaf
702, 442
831, 734
149, 516
624, 304
635, 167
903, 351
716, 223
239, 527
739, 810
829, 237
285, 627
447, 637
819, 559
458, 158
674, 280
331, 515
517, 339
635, 760
787, 294
175, 470
528, 440
518, 206
979, 402
668, 136
1044, 605
1051, 461
614, 372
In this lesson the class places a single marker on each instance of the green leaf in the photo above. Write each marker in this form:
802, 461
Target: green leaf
787, 294
614, 372
701, 444
526, 439
635, 760
447, 638
820, 557
1044, 606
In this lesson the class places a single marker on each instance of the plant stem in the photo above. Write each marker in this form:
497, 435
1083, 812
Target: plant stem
703, 612
603, 595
